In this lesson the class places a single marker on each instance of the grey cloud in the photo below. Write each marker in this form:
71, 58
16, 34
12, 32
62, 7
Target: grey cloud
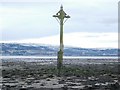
109, 21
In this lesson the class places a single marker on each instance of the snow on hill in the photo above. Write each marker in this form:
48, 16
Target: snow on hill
26, 49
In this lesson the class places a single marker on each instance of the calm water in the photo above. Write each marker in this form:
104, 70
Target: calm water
65, 57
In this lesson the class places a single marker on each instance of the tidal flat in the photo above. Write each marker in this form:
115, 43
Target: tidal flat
85, 74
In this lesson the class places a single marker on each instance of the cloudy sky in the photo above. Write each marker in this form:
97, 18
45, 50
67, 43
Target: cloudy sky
93, 23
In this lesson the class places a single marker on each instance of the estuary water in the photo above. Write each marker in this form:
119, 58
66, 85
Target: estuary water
65, 57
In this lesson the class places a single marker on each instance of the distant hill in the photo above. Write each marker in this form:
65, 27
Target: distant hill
14, 49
